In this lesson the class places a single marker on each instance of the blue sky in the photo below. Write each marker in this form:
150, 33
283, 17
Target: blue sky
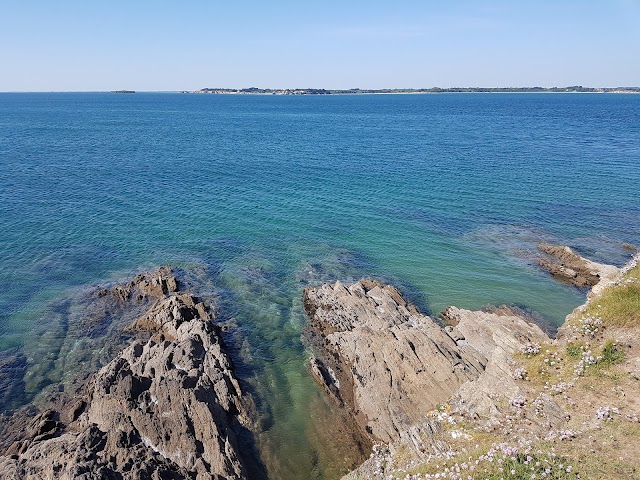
172, 45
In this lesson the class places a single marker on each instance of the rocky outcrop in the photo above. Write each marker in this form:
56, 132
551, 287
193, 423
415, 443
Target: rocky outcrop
496, 336
535, 392
391, 365
155, 284
380, 357
566, 265
167, 406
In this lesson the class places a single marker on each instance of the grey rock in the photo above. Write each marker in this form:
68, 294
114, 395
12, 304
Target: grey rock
167, 406
391, 366
496, 337
84, 331
385, 361
566, 265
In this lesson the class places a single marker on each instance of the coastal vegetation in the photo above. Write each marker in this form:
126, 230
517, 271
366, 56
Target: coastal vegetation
619, 304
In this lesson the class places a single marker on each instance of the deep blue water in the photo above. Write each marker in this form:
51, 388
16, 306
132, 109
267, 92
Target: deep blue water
445, 195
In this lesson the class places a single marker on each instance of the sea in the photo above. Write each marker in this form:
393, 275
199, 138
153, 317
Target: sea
444, 195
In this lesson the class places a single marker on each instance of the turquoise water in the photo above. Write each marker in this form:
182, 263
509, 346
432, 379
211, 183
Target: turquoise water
445, 195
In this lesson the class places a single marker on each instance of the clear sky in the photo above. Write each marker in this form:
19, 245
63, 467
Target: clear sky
70, 45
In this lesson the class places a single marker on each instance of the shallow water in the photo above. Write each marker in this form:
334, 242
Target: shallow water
444, 195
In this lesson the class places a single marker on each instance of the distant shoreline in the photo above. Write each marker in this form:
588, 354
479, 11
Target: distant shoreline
399, 91
409, 91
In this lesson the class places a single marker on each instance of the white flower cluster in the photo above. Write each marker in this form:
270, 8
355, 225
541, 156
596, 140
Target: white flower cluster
518, 401
521, 373
552, 358
590, 326
382, 457
443, 415
538, 403
607, 412
560, 387
587, 359
514, 462
530, 349
633, 263
455, 434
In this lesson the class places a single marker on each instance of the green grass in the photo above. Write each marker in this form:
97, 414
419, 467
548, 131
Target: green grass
611, 354
575, 349
619, 305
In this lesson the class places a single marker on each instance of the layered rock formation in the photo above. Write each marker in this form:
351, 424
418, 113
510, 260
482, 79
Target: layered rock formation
167, 406
531, 390
496, 336
566, 265
391, 365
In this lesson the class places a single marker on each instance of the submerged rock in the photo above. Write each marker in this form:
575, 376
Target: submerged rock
13, 366
79, 334
167, 406
155, 284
